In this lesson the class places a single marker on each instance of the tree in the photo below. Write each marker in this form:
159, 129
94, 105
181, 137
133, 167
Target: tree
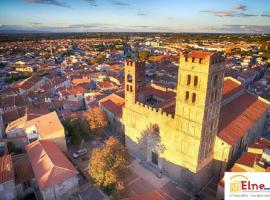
108, 164
77, 129
97, 121
143, 55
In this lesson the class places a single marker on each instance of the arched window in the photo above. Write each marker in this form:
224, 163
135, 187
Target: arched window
188, 79
193, 97
129, 78
215, 80
187, 95
195, 81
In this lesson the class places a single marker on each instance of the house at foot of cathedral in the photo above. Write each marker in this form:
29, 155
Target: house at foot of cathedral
196, 131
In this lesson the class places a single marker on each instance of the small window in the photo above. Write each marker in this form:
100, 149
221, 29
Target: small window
188, 79
187, 95
200, 60
193, 59
193, 98
186, 58
129, 78
130, 87
195, 81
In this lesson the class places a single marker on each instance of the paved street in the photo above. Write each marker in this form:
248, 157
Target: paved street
140, 181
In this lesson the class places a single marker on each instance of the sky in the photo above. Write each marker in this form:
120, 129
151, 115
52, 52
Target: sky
211, 16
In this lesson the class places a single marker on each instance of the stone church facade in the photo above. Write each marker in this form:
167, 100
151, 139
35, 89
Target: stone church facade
179, 144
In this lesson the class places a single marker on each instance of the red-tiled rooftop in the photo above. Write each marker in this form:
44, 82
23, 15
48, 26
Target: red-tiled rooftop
49, 164
238, 116
230, 87
200, 54
6, 169
165, 95
248, 159
260, 143
114, 104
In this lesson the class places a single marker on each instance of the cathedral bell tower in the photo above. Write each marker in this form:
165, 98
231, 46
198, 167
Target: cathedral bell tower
199, 92
134, 81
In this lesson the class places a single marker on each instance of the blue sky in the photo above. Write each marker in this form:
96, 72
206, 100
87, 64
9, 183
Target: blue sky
242, 16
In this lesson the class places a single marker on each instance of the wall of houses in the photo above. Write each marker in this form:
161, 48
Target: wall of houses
61, 190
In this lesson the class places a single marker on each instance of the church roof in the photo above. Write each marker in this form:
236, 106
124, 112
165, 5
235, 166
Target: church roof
238, 116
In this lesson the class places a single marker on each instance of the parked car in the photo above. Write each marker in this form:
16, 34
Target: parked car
79, 153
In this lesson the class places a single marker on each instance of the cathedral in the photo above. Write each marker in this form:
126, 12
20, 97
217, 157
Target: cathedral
176, 132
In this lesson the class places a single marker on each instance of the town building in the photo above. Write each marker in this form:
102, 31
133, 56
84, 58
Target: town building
47, 127
59, 178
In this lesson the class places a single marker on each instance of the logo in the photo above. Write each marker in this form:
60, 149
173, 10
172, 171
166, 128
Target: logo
247, 185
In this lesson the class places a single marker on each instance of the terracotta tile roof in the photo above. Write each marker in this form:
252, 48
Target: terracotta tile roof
230, 87
49, 164
260, 143
200, 54
248, 159
47, 125
73, 90
114, 104
6, 169
18, 123
105, 84
238, 116
165, 95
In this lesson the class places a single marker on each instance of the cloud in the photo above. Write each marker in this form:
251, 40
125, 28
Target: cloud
228, 13
120, 3
35, 23
266, 14
141, 14
50, 2
92, 2
237, 28
240, 7
220, 13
